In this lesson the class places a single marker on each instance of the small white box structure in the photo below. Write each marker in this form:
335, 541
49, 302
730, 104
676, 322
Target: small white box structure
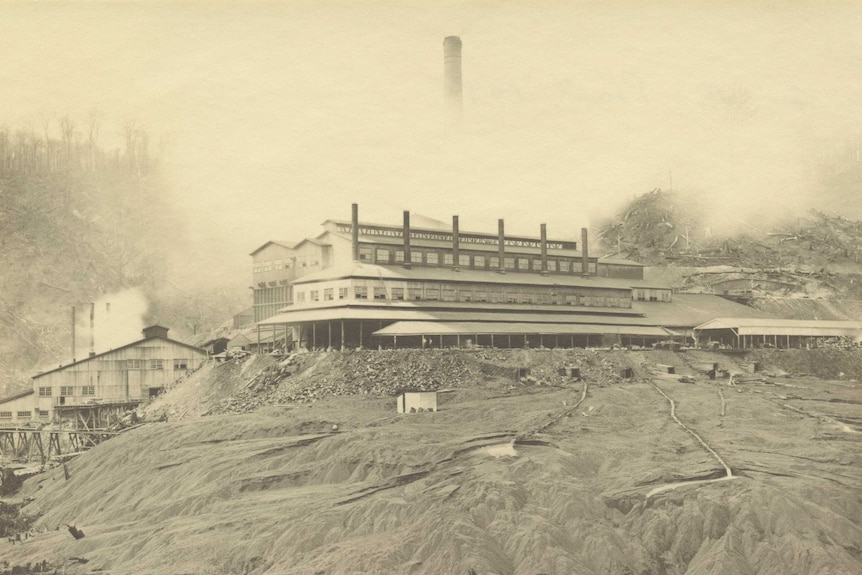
413, 401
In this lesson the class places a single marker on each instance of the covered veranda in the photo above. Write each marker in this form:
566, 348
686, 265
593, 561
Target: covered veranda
750, 333
421, 334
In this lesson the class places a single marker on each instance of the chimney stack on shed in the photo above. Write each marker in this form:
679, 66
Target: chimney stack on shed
406, 234
92, 329
456, 241
501, 235
544, 234
73, 334
585, 258
452, 74
354, 231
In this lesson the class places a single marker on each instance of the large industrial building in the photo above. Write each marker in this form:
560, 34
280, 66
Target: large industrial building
93, 390
359, 284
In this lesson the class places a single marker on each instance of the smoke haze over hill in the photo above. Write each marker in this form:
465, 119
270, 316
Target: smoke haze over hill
569, 108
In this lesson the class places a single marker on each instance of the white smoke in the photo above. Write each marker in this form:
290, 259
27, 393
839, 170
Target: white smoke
118, 320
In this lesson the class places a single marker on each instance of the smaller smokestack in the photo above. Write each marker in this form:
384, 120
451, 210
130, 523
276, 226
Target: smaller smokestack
73, 334
501, 238
354, 231
585, 258
406, 234
92, 329
456, 240
544, 234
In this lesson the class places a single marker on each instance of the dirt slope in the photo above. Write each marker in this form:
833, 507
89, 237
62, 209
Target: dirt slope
506, 478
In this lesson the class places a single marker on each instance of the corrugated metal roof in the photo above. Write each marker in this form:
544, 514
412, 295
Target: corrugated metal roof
798, 327
482, 328
422, 273
415, 313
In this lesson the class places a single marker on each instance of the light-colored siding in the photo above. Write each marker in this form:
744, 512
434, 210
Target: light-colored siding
121, 375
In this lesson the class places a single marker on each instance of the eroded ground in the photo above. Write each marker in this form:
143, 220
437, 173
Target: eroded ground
506, 478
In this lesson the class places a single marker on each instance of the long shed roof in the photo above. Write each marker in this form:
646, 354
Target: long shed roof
408, 312
797, 327
407, 328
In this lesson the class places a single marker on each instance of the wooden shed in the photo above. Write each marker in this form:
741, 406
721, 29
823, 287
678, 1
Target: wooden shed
118, 379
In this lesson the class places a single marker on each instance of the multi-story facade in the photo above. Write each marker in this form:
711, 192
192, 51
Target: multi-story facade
105, 383
360, 284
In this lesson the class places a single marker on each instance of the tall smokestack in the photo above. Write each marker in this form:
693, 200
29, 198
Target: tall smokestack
585, 258
544, 233
452, 74
406, 234
501, 238
354, 231
456, 241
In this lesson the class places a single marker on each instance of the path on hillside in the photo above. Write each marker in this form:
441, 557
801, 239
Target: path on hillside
564, 413
728, 473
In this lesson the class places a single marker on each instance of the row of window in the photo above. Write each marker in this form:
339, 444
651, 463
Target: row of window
275, 265
328, 294
278, 294
67, 390
7, 415
467, 293
652, 295
481, 262
155, 364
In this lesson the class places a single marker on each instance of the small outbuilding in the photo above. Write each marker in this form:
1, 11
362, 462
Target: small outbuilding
413, 401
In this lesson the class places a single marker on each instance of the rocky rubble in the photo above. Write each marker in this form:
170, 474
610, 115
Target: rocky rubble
310, 377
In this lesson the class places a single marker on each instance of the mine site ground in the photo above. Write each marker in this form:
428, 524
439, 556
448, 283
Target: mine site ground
655, 474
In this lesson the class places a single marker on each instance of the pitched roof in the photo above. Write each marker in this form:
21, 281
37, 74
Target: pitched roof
18, 395
283, 243
116, 349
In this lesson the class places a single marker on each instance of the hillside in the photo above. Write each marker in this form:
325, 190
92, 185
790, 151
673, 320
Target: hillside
78, 224
550, 475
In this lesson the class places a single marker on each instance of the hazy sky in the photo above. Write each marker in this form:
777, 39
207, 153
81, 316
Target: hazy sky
277, 116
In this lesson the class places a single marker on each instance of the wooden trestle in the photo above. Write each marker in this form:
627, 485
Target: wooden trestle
22, 443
